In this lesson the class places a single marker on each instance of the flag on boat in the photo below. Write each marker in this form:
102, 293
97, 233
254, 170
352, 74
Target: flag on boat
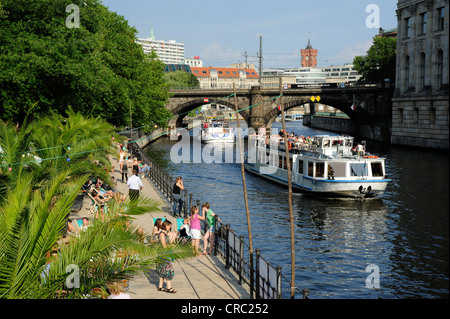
353, 107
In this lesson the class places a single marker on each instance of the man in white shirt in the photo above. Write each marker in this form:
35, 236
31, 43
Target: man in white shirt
135, 185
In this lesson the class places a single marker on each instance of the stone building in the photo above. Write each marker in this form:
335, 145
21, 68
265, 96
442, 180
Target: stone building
223, 78
420, 104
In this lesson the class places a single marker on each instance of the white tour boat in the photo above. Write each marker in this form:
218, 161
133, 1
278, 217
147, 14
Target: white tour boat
327, 165
213, 132
290, 118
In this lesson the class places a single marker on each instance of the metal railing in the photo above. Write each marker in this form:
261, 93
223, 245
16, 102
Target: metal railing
264, 280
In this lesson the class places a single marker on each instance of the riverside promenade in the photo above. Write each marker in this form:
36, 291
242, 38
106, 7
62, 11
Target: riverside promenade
202, 277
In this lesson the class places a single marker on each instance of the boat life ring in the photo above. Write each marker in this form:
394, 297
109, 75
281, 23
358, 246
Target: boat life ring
371, 156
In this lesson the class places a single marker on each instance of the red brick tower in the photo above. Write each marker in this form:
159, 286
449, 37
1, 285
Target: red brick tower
309, 56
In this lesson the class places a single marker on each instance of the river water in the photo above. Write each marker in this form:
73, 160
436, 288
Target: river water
394, 246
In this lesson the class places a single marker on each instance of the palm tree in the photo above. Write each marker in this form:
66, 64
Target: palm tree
35, 200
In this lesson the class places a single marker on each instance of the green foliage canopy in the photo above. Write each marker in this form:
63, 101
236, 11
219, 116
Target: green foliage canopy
97, 68
379, 63
181, 79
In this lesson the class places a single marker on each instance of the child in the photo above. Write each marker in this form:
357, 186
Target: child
185, 229
195, 228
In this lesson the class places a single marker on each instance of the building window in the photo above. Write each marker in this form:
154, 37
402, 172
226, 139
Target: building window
422, 71
415, 118
400, 115
439, 69
406, 79
432, 115
407, 27
440, 19
423, 23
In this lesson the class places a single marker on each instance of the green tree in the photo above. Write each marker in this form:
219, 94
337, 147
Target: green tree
181, 79
379, 63
98, 68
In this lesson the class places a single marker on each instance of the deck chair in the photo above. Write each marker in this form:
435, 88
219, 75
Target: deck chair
76, 225
97, 204
180, 222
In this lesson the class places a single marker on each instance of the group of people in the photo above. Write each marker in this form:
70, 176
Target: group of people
192, 226
189, 231
134, 182
135, 164
295, 141
74, 227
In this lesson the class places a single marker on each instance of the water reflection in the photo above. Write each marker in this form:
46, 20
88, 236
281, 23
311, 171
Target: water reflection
404, 232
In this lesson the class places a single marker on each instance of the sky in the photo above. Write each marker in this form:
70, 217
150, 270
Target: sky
220, 32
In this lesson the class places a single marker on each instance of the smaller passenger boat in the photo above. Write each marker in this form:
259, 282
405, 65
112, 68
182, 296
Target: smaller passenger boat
217, 132
290, 118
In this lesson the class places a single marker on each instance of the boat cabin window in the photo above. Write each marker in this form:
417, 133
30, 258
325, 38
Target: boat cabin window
320, 169
311, 169
349, 142
280, 161
300, 167
377, 169
358, 169
337, 168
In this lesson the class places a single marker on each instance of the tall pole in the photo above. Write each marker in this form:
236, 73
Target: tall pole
260, 58
244, 186
291, 213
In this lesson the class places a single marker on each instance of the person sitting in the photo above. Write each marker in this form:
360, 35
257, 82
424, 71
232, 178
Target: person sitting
156, 230
86, 224
144, 168
70, 229
185, 230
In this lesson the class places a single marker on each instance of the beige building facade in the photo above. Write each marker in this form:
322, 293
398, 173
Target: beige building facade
420, 107
223, 78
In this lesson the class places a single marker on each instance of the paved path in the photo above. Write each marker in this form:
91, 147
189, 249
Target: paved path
203, 277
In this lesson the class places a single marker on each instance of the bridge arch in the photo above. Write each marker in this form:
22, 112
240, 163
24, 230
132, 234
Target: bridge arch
271, 116
359, 116
181, 110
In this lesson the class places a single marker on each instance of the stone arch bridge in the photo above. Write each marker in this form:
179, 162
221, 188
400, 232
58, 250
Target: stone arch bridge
259, 107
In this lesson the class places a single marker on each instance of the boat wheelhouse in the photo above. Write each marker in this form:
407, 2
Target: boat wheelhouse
326, 165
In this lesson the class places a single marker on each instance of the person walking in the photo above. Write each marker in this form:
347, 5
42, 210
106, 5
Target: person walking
124, 169
135, 186
177, 201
